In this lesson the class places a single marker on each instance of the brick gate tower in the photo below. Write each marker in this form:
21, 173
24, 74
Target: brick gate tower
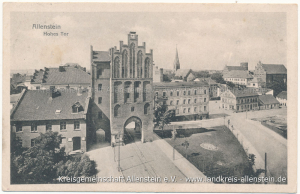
122, 90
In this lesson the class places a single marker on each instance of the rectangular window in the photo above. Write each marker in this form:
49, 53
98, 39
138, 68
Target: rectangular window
100, 115
195, 100
177, 93
48, 127
127, 96
184, 110
189, 92
184, 101
18, 128
38, 87
189, 101
195, 92
189, 110
164, 94
76, 125
171, 102
204, 99
177, 102
156, 93
74, 109
63, 125
195, 109
204, 91
99, 100
184, 93
204, 108
33, 128
99, 73
99, 87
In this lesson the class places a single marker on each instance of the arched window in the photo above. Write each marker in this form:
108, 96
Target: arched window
117, 110
147, 67
132, 60
139, 64
117, 67
146, 108
124, 64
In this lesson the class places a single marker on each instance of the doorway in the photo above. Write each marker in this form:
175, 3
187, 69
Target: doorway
76, 143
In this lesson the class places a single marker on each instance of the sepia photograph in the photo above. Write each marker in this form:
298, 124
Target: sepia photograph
150, 97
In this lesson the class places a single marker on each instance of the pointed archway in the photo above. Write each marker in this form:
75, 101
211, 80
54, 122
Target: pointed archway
132, 130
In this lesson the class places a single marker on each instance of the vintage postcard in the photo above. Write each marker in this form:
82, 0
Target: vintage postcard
149, 97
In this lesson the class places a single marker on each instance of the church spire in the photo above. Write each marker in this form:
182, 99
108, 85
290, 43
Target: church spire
176, 61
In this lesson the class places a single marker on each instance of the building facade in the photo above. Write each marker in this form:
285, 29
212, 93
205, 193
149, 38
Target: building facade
189, 100
282, 98
64, 112
122, 89
268, 73
268, 102
239, 101
238, 77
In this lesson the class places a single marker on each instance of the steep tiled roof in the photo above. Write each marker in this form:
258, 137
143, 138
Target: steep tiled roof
37, 105
268, 99
208, 80
231, 68
70, 75
101, 56
182, 72
237, 74
178, 84
274, 69
282, 95
14, 97
243, 93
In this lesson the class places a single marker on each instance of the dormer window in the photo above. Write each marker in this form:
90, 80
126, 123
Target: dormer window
76, 108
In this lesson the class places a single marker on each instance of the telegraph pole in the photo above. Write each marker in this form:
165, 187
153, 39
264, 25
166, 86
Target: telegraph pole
119, 165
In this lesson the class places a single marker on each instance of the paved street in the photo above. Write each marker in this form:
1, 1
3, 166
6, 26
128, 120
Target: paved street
153, 159
265, 141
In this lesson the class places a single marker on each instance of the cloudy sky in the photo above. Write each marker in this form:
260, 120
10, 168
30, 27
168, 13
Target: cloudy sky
204, 40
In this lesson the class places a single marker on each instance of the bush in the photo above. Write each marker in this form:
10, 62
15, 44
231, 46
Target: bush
77, 166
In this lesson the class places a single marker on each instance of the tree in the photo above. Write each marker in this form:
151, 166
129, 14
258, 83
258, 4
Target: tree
201, 74
162, 116
218, 77
77, 167
45, 160
36, 164
168, 77
230, 84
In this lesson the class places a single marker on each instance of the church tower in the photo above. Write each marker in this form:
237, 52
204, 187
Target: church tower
176, 64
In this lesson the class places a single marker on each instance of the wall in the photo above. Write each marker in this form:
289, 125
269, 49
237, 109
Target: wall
26, 135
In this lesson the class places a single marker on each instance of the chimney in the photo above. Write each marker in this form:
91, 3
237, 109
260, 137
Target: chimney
161, 74
61, 69
79, 91
52, 92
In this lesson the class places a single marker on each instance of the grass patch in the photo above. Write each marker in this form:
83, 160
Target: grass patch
228, 159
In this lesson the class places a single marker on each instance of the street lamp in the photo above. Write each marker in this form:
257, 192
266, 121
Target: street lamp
119, 151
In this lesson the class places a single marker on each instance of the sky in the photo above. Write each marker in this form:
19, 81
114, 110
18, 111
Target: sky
205, 41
